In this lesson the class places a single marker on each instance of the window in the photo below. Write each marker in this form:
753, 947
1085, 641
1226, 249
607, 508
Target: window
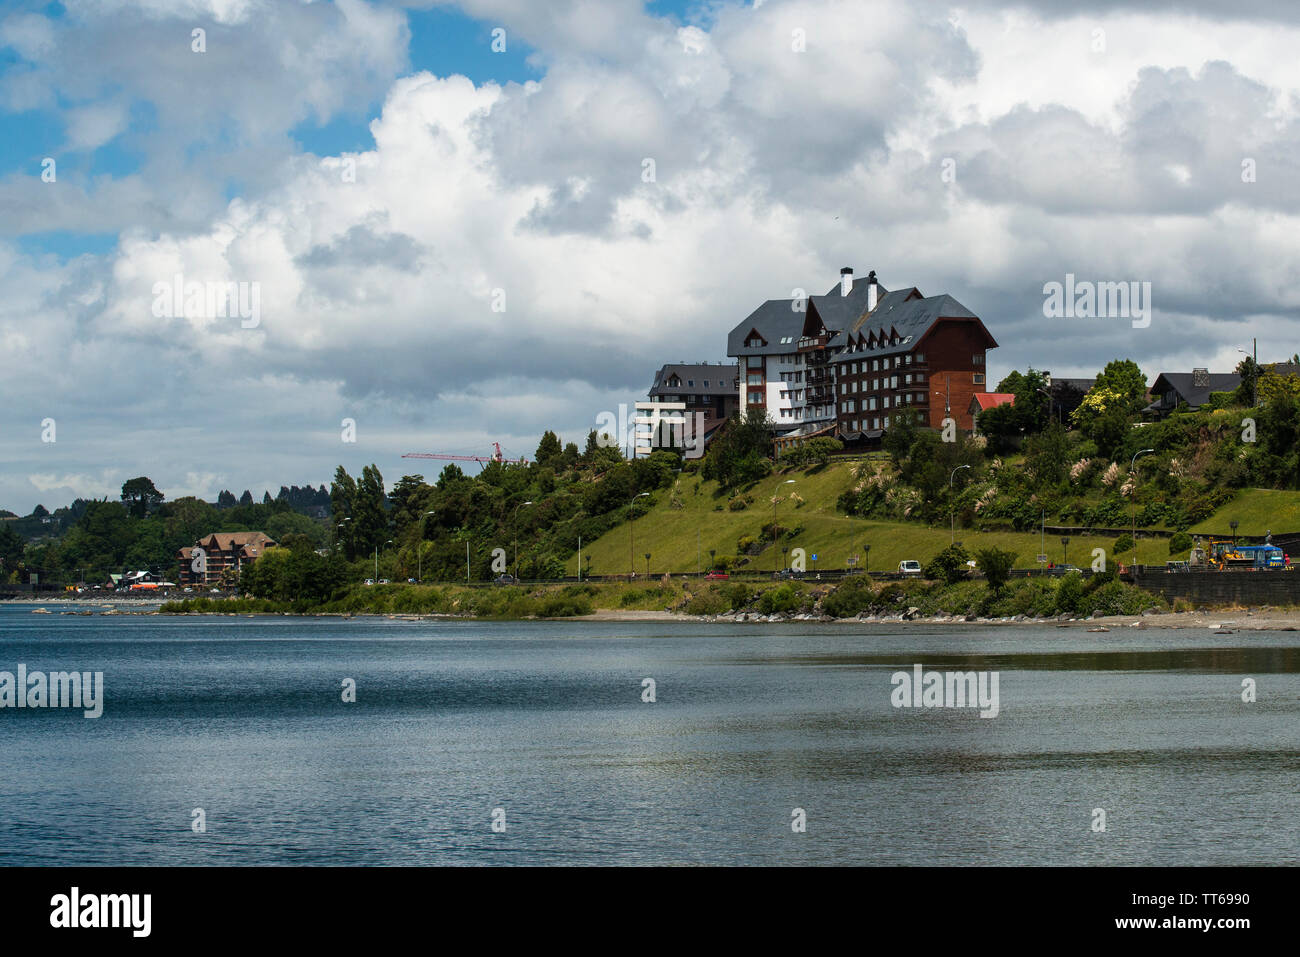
908, 357
706, 383
977, 359
907, 380
875, 385
979, 378
920, 357
690, 383
755, 379
855, 388
893, 382
875, 423
884, 404
885, 420
871, 404
756, 398
875, 365
754, 362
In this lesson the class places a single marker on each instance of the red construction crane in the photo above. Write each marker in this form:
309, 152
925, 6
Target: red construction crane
481, 460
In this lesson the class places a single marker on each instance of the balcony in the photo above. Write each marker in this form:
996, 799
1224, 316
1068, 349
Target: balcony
813, 343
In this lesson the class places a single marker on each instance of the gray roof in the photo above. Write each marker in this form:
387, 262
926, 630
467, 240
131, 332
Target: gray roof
1180, 383
721, 378
837, 312
903, 310
911, 318
1081, 385
774, 320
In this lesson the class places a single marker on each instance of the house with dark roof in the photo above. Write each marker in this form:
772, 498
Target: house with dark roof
707, 387
1172, 388
859, 355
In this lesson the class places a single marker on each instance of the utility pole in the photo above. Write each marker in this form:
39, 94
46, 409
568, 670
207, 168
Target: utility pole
774, 500
467, 561
952, 506
579, 558
1131, 465
631, 534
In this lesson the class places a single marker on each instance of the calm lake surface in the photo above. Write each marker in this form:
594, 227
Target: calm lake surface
243, 717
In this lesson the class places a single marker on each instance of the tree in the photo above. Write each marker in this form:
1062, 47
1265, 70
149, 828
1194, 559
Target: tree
11, 550
246, 498
996, 564
548, 450
343, 503
140, 496
1125, 378
226, 499
949, 565
370, 518
1048, 455
266, 498
742, 452
1103, 417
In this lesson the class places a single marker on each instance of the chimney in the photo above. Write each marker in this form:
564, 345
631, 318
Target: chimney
1200, 378
846, 280
873, 290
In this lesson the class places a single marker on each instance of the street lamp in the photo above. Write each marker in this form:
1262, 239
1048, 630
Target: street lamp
419, 550
631, 535
712, 564
952, 507
1065, 546
1254, 360
515, 529
1132, 463
1051, 405
866, 554
1234, 524
647, 564
775, 499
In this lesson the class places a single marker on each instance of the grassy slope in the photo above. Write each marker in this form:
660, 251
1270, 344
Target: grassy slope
670, 534
1258, 510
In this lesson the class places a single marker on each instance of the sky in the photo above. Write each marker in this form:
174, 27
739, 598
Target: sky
456, 223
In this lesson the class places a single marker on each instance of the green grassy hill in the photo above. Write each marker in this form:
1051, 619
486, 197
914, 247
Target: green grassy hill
685, 522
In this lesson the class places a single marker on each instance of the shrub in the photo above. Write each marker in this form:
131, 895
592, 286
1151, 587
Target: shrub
996, 564
709, 602
1181, 542
949, 565
783, 598
564, 606
1123, 544
1069, 594
853, 596
737, 594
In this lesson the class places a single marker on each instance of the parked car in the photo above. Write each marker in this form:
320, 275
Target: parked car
505, 580
411, 581
909, 566
384, 581
368, 581
716, 576
787, 573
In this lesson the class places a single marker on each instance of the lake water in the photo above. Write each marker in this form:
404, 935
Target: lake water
243, 718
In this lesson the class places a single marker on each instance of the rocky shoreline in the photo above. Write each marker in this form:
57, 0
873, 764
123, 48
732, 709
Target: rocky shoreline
1226, 621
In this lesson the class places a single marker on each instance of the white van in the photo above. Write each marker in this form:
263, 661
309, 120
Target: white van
909, 567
